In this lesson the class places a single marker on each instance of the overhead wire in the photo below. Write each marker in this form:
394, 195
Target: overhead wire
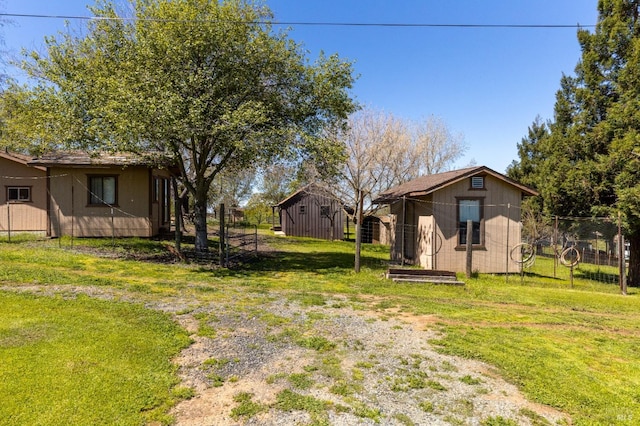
303, 23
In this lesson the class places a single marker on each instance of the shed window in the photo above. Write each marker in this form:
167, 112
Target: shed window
19, 193
325, 211
103, 190
469, 210
303, 209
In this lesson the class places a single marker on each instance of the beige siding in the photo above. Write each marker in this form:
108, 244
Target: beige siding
22, 216
72, 214
500, 224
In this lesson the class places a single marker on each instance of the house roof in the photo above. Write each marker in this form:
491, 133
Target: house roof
18, 158
85, 159
428, 184
312, 188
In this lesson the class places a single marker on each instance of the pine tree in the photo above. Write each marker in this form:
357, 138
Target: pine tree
590, 158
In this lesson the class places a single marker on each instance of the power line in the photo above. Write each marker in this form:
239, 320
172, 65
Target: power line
304, 23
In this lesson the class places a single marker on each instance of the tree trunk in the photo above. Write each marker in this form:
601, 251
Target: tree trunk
200, 221
634, 260
359, 231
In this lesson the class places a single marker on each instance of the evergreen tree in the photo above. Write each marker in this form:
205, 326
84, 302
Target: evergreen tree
589, 160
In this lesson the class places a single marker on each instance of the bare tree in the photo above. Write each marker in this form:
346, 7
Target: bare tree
435, 147
384, 151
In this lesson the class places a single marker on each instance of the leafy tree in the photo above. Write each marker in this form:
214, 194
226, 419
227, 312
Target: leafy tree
207, 83
258, 210
588, 162
277, 181
231, 187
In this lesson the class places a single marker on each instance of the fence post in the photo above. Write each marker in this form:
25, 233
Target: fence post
404, 224
256, 238
359, 231
508, 226
621, 259
469, 247
59, 228
113, 231
555, 248
9, 220
221, 246
73, 214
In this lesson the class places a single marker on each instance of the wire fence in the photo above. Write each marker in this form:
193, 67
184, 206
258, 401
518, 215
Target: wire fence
238, 243
507, 240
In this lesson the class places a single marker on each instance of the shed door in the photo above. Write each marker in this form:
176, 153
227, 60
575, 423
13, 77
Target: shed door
426, 241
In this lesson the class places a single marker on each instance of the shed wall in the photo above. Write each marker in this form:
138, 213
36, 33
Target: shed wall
500, 226
301, 217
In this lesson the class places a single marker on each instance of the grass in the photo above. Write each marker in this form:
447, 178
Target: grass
82, 361
573, 347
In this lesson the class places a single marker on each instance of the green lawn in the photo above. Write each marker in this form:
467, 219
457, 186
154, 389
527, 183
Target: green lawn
572, 347
84, 361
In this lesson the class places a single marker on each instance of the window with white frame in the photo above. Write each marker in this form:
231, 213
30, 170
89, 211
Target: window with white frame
470, 210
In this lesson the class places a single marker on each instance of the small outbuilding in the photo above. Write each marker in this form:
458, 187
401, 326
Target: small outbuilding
430, 216
312, 211
74, 193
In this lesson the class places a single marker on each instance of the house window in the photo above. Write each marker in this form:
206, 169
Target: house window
156, 189
103, 190
477, 182
469, 209
19, 193
166, 198
303, 209
325, 211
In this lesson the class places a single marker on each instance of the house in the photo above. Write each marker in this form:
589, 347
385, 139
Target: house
430, 216
312, 211
73, 193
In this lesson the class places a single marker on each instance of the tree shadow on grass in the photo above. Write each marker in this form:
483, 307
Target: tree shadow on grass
289, 261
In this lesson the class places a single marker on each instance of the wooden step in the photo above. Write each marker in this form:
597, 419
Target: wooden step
426, 280
423, 276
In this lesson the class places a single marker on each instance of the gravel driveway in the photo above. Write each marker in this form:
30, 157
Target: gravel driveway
280, 361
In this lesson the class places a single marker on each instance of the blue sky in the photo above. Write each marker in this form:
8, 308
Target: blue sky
486, 83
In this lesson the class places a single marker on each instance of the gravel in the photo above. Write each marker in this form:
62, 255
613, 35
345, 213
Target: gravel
367, 368
361, 365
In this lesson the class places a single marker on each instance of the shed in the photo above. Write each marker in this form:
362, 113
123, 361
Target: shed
74, 193
431, 215
312, 211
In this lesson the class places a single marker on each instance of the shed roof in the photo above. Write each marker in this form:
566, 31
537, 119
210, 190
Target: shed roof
431, 183
312, 188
